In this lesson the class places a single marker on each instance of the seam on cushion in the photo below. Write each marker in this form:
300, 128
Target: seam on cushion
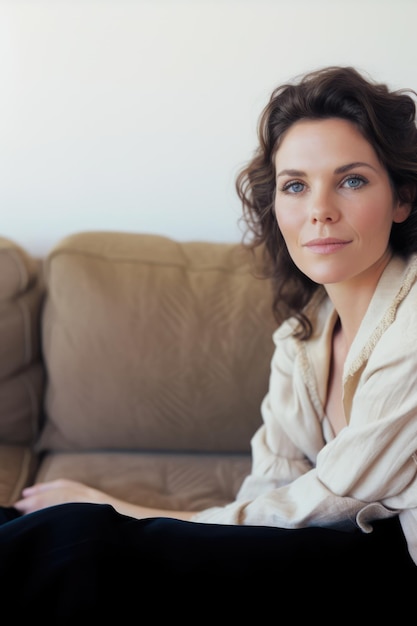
244, 269
33, 417
25, 313
21, 268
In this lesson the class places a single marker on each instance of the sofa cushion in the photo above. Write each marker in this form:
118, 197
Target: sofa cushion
152, 344
173, 481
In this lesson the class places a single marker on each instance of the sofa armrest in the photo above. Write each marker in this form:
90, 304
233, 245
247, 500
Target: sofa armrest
22, 377
17, 465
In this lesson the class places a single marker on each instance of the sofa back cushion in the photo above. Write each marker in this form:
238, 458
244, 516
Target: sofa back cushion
21, 370
152, 344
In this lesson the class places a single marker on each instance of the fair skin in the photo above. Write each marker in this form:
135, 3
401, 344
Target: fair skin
335, 206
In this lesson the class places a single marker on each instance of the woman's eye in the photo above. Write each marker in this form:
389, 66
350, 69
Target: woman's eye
354, 182
294, 187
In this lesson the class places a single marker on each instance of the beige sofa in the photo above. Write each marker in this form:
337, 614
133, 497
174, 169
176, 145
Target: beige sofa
134, 363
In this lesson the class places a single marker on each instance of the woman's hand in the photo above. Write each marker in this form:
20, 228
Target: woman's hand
58, 491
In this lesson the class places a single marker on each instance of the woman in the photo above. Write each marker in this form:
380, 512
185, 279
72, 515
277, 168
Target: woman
331, 194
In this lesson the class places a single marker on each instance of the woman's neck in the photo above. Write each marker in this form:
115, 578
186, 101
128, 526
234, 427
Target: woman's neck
351, 298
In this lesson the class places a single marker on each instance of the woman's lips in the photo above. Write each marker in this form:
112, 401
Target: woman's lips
326, 246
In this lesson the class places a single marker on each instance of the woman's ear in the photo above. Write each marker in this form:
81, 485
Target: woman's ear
405, 199
401, 212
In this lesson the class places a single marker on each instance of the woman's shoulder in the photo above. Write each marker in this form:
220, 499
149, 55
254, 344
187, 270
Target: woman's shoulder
398, 284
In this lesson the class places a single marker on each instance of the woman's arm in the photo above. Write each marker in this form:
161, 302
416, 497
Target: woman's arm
63, 491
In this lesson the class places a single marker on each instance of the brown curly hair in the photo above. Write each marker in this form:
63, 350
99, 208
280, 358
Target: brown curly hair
387, 120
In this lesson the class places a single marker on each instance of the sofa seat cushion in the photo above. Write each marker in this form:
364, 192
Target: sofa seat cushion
169, 481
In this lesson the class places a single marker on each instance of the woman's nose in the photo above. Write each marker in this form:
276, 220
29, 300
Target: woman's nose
323, 207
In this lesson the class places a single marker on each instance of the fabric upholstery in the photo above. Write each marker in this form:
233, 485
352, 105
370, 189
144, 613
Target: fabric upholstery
163, 480
21, 368
134, 363
157, 335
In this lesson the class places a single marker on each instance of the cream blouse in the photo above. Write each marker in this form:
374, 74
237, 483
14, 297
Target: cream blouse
304, 475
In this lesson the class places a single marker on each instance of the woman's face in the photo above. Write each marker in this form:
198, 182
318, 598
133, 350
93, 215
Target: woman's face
334, 202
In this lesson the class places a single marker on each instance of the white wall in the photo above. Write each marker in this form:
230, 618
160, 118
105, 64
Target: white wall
136, 115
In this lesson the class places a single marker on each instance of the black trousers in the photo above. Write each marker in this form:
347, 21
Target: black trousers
86, 561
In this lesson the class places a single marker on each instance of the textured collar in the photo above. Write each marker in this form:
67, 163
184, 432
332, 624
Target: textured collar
393, 286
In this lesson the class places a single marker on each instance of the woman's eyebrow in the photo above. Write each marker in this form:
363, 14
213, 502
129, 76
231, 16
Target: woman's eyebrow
350, 166
291, 173
339, 170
